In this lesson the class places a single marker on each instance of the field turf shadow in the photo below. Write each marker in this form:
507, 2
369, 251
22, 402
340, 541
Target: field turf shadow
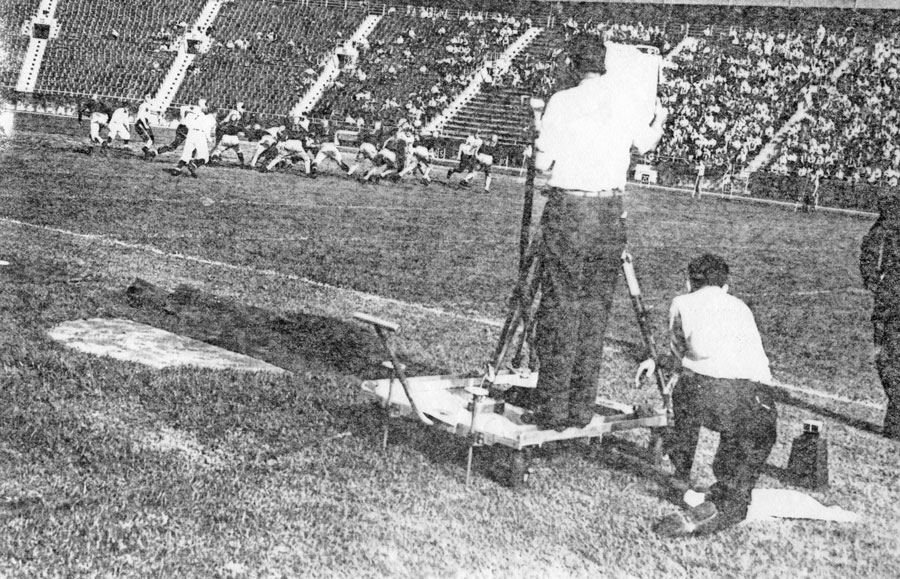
295, 341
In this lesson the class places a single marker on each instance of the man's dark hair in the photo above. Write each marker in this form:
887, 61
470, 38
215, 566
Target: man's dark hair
708, 269
587, 53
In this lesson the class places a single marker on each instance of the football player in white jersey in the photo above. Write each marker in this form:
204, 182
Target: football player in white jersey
292, 147
466, 155
421, 157
200, 126
270, 137
487, 154
118, 126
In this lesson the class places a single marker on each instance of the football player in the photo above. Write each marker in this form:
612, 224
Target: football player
291, 148
181, 133
390, 159
400, 145
99, 113
421, 157
200, 127
466, 155
229, 130
369, 142
142, 124
327, 140
268, 139
484, 160
118, 126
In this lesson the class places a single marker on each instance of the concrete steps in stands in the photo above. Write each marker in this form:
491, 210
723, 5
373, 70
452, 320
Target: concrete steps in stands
175, 76
332, 71
474, 87
774, 145
34, 55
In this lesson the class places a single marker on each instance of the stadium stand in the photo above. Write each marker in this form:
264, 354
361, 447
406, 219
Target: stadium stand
733, 91
852, 124
120, 49
13, 15
417, 61
267, 53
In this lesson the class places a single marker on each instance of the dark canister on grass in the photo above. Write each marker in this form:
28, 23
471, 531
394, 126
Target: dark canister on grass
808, 462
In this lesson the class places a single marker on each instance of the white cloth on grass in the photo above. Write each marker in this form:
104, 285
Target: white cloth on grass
768, 504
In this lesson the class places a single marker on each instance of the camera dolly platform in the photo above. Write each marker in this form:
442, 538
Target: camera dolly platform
472, 407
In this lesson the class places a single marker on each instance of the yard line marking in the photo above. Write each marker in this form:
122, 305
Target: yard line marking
367, 296
266, 272
826, 395
741, 197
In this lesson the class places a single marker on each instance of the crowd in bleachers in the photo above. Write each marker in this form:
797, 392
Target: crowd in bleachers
731, 93
538, 71
852, 125
113, 46
267, 53
416, 62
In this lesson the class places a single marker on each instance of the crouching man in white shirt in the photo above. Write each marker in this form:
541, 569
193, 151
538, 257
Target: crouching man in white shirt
723, 375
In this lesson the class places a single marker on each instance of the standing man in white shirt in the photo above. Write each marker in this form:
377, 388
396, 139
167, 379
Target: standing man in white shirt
587, 135
722, 385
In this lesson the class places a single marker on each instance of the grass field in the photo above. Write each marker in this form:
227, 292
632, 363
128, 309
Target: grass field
113, 469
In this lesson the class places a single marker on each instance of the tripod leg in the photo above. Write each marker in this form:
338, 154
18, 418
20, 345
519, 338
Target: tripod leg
530, 302
520, 302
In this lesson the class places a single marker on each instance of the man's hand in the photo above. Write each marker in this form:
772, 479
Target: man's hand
647, 367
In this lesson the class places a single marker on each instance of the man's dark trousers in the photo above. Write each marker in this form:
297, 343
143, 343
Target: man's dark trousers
744, 414
583, 239
887, 342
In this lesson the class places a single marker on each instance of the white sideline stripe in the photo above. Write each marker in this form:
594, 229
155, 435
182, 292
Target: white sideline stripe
366, 296
266, 272
826, 395
853, 212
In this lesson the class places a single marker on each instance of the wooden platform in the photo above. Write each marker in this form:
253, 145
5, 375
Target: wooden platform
446, 400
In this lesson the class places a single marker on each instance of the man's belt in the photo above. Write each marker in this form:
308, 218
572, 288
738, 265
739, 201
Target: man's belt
604, 193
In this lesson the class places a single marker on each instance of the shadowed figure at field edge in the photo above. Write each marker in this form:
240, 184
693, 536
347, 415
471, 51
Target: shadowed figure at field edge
879, 265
